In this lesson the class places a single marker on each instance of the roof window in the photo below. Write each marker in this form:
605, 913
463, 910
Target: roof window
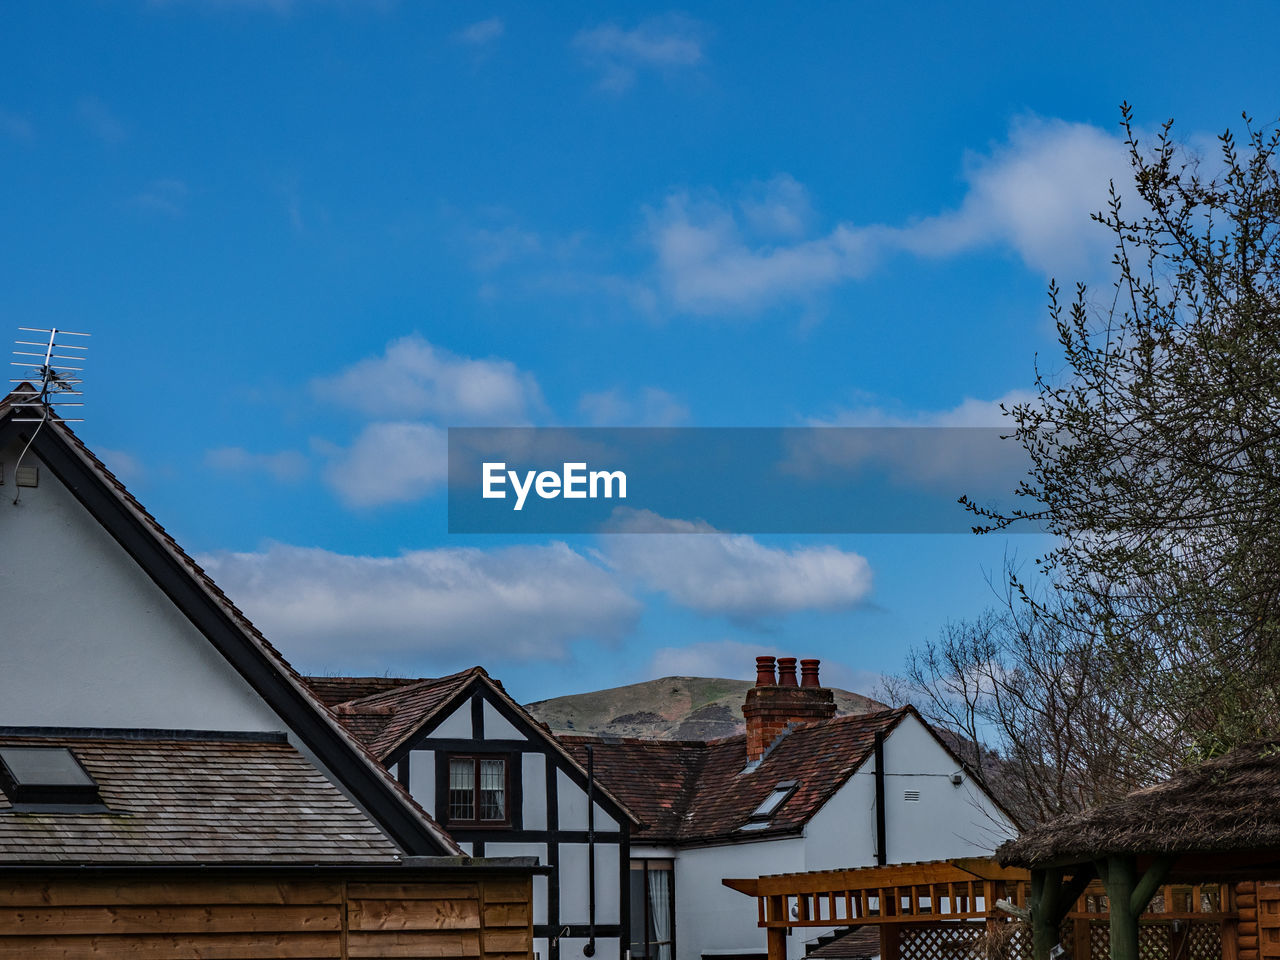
776, 798
45, 775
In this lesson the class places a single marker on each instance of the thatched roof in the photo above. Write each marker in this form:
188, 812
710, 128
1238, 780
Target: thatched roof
1228, 804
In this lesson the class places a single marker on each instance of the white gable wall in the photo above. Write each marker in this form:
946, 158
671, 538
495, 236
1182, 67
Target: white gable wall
90, 640
947, 821
711, 917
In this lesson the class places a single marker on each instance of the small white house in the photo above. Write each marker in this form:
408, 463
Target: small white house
801, 790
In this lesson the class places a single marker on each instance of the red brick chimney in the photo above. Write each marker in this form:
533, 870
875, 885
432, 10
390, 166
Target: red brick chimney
772, 708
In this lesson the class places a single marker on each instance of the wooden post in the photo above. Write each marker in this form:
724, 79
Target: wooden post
1081, 943
1121, 877
890, 941
777, 936
1045, 885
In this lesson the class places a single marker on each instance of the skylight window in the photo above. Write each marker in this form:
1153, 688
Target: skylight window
776, 798
45, 775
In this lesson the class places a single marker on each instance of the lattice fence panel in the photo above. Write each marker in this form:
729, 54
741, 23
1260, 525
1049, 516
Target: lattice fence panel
1204, 942
951, 942
1099, 941
1154, 941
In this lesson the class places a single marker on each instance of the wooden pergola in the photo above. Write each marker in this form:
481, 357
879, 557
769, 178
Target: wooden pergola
969, 891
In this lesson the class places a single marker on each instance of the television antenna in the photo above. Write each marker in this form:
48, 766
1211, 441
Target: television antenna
55, 383
50, 385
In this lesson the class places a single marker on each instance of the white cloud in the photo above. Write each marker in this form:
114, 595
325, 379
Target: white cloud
708, 264
124, 465
285, 466
956, 459
970, 412
729, 659
100, 121
390, 462
522, 603
663, 43
166, 195
414, 378
734, 575
16, 127
1032, 194
779, 207
648, 407
482, 32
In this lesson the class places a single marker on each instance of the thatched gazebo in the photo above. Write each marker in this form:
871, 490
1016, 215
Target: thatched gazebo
1218, 821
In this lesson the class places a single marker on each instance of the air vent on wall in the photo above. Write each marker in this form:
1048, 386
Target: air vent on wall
911, 795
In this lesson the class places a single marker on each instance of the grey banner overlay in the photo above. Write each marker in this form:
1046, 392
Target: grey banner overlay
795, 480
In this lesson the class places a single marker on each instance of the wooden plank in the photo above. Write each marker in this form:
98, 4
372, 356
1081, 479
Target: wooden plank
412, 891
507, 891
188, 947
127, 920
506, 941
147, 893
413, 915
506, 914
457, 943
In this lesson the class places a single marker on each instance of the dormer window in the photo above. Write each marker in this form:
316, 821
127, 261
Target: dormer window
776, 798
45, 776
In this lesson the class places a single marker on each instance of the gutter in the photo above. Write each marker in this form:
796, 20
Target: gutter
409, 866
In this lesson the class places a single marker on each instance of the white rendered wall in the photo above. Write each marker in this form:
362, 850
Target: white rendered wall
710, 916
90, 640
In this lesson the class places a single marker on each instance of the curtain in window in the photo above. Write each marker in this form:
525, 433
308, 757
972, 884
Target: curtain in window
493, 789
462, 790
660, 913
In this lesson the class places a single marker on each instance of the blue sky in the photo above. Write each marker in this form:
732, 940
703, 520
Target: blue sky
307, 236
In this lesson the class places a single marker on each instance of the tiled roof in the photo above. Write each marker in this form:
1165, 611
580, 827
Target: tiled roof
251, 633
691, 792
335, 690
384, 719
181, 799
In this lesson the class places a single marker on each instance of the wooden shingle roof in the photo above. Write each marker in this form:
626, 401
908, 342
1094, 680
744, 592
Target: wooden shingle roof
175, 798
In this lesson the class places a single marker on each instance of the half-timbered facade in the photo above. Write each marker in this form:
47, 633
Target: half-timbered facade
504, 787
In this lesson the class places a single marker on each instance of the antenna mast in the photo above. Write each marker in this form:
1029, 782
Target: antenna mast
52, 384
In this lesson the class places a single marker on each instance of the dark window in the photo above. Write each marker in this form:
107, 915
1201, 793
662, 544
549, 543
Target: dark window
45, 775
653, 910
478, 790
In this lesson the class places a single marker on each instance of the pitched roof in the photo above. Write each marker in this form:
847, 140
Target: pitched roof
193, 798
229, 630
335, 690
388, 720
1225, 805
696, 792
384, 720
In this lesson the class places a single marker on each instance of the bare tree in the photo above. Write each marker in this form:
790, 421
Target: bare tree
1155, 463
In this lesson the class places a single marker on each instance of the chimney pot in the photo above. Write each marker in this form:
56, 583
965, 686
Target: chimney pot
787, 672
764, 672
809, 673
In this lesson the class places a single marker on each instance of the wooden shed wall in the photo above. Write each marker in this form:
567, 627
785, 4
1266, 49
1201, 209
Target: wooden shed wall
262, 919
